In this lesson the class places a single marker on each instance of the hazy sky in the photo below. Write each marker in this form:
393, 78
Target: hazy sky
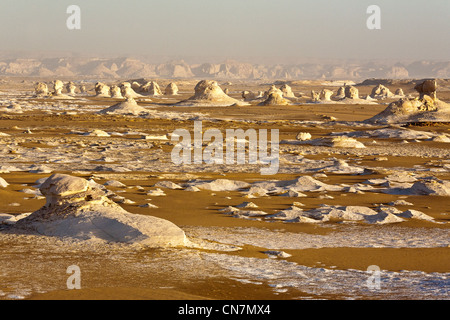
336, 29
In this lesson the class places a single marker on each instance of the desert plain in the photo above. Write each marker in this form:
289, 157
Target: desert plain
348, 194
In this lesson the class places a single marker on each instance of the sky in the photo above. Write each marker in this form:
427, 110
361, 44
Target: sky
247, 29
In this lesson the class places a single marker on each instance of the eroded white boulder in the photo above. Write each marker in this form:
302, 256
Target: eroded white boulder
79, 210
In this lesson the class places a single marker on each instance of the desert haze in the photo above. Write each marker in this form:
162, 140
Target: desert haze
126, 68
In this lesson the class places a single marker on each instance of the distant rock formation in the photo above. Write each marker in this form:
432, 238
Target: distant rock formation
381, 92
272, 89
152, 88
136, 86
70, 87
208, 92
427, 108
171, 89
275, 98
351, 92
129, 106
315, 96
249, 95
126, 68
41, 89
116, 92
427, 88
102, 90
127, 91
399, 92
340, 94
326, 95
287, 91
58, 86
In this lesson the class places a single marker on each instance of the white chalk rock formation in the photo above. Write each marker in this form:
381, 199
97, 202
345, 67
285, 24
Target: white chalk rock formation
315, 96
41, 89
102, 90
116, 92
338, 142
431, 187
326, 94
272, 89
303, 136
209, 93
70, 87
351, 92
427, 88
152, 88
218, 185
3, 183
399, 92
287, 91
427, 108
171, 89
352, 97
128, 92
80, 210
58, 86
249, 95
127, 107
275, 98
136, 86
381, 92
340, 94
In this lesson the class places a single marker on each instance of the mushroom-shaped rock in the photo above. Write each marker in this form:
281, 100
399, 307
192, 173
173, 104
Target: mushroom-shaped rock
80, 210
171, 89
70, 87
427, 87
60, 185
58, 86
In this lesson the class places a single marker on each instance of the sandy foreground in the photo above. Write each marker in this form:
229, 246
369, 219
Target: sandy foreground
251, 253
